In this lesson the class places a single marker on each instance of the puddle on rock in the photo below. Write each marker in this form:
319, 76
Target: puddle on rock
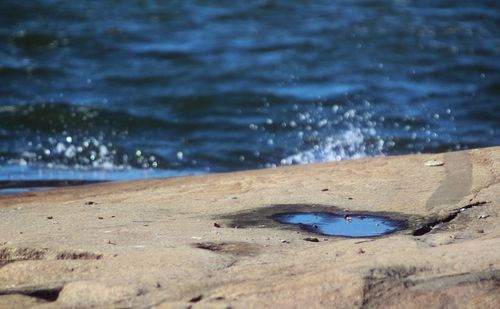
331, 224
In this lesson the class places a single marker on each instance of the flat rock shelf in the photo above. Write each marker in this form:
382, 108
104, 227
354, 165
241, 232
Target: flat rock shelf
210, 241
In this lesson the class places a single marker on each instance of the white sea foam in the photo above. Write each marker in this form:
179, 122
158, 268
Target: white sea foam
350, 144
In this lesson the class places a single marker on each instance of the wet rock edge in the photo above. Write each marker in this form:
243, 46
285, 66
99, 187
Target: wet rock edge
263, 218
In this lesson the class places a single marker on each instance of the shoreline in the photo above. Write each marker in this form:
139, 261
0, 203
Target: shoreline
208, 240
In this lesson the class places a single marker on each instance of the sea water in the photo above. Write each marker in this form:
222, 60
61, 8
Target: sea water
136, 89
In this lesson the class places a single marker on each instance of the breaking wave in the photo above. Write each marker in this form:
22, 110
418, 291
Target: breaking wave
350, 144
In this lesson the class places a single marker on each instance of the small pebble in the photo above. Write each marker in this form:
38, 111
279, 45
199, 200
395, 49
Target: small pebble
434, 163
483, 216
196, 299
217, 225
50, 217
311, 239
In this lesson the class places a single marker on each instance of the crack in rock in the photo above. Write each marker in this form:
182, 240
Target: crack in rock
9, 255
379, 281
426, 228
48, 293
232, 248
77, 255
394, 285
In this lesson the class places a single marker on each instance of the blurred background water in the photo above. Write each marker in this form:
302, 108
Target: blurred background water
136, 88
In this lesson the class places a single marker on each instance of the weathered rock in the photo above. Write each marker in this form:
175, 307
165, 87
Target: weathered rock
157, 246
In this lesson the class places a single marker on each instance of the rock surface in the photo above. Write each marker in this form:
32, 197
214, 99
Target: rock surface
208, 241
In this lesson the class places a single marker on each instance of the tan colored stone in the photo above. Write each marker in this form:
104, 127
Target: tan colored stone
157, 245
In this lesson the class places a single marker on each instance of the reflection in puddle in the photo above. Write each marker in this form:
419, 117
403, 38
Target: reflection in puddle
331, 224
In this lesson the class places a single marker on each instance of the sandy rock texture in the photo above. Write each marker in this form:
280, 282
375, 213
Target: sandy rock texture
208, 242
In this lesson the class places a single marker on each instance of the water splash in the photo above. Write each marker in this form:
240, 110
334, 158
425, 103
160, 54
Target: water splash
350, 144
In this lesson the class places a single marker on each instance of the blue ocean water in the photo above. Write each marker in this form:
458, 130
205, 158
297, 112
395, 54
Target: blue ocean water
133, 89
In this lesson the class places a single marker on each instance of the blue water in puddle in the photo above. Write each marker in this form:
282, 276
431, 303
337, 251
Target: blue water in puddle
339, 225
